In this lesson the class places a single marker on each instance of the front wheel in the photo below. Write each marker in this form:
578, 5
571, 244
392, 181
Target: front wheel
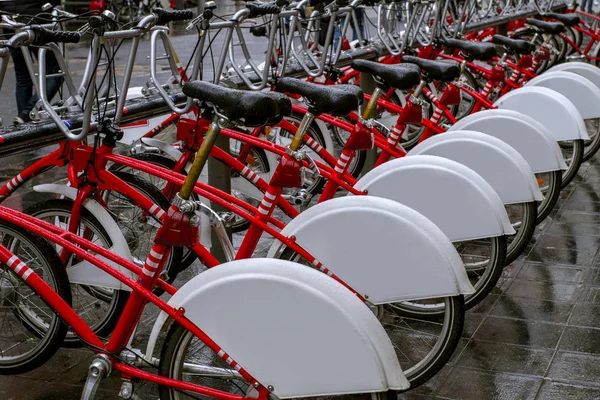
573, 151
550, 184
591, 146
184, 357
523, 217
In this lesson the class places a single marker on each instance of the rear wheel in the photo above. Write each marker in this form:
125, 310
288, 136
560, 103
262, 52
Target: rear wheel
423, 346
30, 331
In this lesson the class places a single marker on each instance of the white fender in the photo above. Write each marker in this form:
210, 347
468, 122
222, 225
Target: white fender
498, 163
526, 135
549, 107
290, 327
85, 272
166, 148
578, 89
454, 197
584, 69
134, 131
384, 250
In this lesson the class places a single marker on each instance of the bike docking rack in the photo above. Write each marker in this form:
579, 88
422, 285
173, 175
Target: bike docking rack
14, 139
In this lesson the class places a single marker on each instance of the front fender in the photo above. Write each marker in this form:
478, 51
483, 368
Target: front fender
384, 250
84, 272
557, 113
578, 89
584, 69
454, 197
526, 135
261, 323
495, 161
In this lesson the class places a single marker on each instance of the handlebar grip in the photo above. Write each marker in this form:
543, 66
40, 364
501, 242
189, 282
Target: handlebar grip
165, 16
44, 36
259, 9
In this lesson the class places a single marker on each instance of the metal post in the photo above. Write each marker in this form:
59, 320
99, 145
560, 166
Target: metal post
219, 176
368, 85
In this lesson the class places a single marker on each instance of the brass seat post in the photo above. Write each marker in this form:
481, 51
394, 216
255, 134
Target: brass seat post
299, 136
200, 161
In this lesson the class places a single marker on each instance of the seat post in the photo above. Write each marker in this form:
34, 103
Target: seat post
308, 119
201, 157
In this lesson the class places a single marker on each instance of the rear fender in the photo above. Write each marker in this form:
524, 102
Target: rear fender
578, 89
261, 323
85, 272
495, 161
584, 69
529, 137
454, 197
384, 250
557, 113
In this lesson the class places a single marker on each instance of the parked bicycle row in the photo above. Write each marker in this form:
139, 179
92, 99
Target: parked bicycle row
471, 135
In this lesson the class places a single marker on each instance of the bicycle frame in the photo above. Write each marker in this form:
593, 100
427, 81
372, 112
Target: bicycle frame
141, 293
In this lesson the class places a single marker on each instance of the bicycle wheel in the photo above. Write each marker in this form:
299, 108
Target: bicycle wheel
467, 102
550, 185
572, 151
423, 345
183, 351
100, 307
139, 227
527, 34
30, 331
591, 146
523, 217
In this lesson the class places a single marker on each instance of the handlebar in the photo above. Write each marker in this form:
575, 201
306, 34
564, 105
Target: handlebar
258, 9
166, 16
42, 36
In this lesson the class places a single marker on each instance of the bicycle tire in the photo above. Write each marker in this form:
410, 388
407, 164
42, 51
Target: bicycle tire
54, 275
525, 229
576, 160
173, 263
591, 146
115, 300
551, 195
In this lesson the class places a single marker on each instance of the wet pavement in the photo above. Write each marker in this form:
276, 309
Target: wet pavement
537, 336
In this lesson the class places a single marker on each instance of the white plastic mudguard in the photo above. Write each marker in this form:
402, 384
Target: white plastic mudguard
494, 160
578, 89
290, 326
454, 197
557, 113
384, 250
85, 272
584, 69
526, 135
166, 148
